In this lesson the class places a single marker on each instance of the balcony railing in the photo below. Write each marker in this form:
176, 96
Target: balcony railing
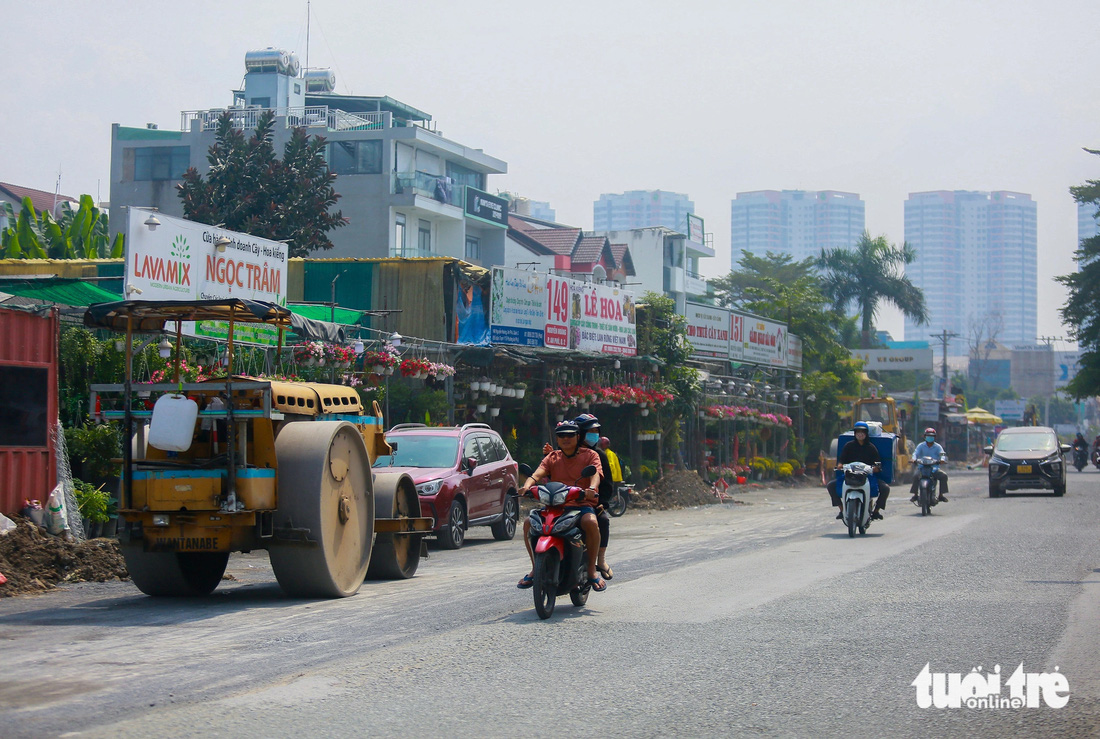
436, 187
312, 116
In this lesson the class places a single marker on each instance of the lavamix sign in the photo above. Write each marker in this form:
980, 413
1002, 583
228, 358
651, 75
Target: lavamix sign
486, 207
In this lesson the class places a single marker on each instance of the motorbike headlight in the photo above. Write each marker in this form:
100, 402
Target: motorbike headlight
431, 487
536, 523
544, 496
558, 498
565, 523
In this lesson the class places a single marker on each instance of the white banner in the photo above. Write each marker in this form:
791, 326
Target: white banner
765, 342
179, 261
929, 410
708, 330
1010, 410
894, 359
794, 353
533, 309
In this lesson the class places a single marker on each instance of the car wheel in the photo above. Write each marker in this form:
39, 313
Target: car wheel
453, 532
1060, 490
505, 528
994, 490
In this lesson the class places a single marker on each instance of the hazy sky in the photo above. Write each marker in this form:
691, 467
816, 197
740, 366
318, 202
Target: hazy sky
580, 98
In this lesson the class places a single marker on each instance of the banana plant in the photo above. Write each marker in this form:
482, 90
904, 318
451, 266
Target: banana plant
80, 234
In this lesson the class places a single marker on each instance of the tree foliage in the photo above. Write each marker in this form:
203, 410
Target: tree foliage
1081, 311
250, 189
83, 233
868, 275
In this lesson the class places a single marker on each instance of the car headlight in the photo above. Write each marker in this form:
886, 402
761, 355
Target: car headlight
431, 487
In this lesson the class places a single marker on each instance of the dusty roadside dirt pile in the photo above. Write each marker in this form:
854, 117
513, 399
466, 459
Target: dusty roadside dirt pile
34, 561
679, 489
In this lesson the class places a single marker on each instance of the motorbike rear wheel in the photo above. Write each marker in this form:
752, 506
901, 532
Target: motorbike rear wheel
617, 506
925, 499
545, 589
852, 517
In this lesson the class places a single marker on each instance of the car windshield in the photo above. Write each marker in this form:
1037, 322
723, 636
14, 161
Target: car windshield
420, 450
1029, 442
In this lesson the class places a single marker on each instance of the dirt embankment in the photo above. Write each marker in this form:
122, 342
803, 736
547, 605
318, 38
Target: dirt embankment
34, 561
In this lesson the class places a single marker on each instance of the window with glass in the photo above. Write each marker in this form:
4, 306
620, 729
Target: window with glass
424, 237
463, 176
161, 162
355, 157
399, 235
473, 249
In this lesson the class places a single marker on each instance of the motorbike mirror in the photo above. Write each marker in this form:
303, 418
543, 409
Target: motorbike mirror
525, 469
588, 471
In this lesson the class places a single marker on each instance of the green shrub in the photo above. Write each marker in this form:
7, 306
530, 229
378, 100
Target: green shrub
92, 502
95, 445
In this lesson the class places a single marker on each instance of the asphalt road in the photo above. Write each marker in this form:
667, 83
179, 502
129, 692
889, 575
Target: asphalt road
755, 619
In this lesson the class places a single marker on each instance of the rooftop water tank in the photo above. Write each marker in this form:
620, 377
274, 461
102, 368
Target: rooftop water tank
320, 80
271, 60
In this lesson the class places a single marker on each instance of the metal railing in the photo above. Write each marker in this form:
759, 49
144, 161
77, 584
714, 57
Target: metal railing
311, 116
436, 187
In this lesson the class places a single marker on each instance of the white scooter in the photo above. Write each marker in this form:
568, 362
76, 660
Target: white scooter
857, 496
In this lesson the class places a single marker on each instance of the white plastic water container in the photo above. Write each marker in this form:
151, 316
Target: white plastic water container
173, 424
874, 428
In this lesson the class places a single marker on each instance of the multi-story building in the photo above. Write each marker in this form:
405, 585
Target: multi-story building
404, 189
665, 261
640, 209
976, 261
796, 222
535, 208
1088, 222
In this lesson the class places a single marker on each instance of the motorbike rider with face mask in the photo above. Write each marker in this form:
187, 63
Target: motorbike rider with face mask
929, 448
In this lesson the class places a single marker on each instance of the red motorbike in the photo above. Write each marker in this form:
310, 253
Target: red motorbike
561, 560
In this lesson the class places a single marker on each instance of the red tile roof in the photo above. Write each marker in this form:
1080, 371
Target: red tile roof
559, 240
42, 200
623, 260
589, 249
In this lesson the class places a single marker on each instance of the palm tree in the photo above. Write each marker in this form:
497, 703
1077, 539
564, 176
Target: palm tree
871, 272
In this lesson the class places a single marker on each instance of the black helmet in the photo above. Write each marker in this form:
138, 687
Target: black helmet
586, 421
566, 428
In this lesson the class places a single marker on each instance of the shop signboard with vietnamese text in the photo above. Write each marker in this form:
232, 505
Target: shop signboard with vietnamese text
178, 260
1010, 410
708, 330
879, 360
533, 309
765, 342
737, 336
794, 353
518, 308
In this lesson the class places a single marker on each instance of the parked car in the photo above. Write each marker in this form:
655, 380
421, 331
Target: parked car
1027, 457
464, 475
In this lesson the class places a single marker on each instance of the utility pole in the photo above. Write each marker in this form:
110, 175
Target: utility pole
944, 337
1046, 410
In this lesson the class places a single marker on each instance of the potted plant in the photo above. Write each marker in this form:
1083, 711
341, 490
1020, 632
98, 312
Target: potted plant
92, 502
415, 367
521, 389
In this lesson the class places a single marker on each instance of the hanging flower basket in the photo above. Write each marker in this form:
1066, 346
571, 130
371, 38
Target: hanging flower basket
415, 368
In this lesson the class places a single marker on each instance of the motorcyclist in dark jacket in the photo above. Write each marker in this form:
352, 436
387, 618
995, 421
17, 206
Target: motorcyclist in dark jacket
861, 450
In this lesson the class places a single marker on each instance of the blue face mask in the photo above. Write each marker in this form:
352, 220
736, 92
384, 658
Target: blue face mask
591, 438
930, 439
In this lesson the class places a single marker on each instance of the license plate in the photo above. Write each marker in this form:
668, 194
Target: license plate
1023, 469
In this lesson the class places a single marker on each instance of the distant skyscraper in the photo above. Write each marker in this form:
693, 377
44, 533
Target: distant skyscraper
977, 257
796, 222
1088, 225
641, 209
535, 208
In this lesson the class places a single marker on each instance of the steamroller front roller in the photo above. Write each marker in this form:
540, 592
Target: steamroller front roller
396, 555
173, 574
324, 522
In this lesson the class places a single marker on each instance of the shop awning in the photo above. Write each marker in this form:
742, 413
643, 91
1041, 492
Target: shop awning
60, 291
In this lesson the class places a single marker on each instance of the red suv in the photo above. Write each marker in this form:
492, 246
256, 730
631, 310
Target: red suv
464, 475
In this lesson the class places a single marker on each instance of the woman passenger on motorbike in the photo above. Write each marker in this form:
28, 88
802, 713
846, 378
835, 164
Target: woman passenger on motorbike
589, 427
564, 465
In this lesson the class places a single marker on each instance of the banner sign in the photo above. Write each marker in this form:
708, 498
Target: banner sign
737, 336
179, 261
930, 410
695, 229
486, 207
1066, 366
794, 353
765, 342
708, 330
534, 309
1010, 410
894, 359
